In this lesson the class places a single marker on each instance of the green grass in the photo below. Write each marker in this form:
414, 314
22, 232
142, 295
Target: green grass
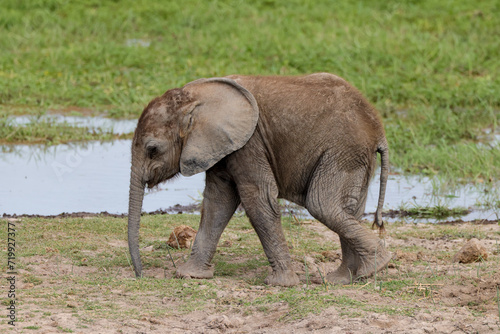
430, 67
438, 212
437, 232
307, 301
51, 132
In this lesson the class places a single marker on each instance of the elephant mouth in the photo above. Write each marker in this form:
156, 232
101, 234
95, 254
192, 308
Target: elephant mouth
158, 176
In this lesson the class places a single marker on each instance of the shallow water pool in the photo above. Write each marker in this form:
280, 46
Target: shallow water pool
94, 177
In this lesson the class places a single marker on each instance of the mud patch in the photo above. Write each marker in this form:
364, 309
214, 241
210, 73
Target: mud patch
176, 209
473, 292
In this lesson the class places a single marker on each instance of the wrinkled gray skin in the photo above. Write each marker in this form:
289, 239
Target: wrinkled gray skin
312, 140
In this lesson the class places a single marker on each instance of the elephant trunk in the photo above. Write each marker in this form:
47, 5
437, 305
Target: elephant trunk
136, 196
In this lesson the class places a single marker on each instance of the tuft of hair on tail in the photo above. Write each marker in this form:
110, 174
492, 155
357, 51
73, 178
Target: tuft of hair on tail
379, 223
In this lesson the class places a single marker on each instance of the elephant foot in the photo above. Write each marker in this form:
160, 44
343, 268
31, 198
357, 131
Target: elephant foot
190, 269
342, 276
282, 278
373, 263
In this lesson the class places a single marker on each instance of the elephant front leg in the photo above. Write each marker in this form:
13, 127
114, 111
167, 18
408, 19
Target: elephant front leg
220, 201
258, 192
263, 212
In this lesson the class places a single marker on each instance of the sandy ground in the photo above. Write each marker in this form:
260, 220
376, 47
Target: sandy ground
466, 302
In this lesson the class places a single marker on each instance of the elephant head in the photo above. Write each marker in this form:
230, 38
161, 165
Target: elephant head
186, 130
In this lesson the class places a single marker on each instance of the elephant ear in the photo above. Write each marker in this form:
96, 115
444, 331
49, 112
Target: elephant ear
221, 120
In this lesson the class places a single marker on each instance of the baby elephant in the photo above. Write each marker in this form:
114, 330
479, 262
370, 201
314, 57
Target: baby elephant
312, 140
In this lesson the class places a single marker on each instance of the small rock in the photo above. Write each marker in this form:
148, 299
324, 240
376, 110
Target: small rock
181, 237
227, 243
218, 322
232, 236
147, 249
313, 325
422, 316
408, 257
472, 251
258, 287
155, 321
168, 300
223, 322
240, 294
221, 294
331, 255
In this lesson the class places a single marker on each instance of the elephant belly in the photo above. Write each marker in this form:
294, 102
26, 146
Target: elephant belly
298, 199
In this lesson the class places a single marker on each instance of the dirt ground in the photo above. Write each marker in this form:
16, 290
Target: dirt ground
462, 298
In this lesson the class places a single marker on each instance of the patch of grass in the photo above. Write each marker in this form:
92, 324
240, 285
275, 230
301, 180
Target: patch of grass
456, 233
394, 310
302, 302
92, 242
50, 132
498, 301
438, 212
350, 313
29, 278
400, 54
444, 142
440, 232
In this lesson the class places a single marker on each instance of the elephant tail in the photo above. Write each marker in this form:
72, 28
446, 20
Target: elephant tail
383, 149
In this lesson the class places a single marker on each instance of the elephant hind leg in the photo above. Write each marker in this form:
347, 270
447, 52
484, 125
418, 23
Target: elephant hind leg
346, 272
335, 198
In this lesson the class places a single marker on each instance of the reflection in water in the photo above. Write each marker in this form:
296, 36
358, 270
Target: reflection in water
116, 126
94, 177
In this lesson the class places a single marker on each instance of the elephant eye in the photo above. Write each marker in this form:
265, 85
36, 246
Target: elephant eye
152, 151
